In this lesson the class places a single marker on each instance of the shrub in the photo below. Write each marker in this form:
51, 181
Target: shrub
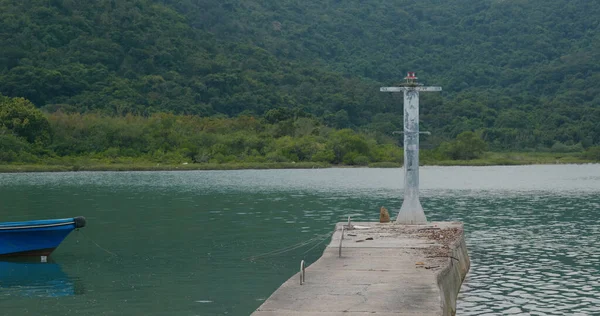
592, 153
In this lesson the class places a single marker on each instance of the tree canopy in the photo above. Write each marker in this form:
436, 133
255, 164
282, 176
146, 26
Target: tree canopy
19, 117
522, 74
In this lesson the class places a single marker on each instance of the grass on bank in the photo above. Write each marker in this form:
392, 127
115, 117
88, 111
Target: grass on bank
86, 164
515, 158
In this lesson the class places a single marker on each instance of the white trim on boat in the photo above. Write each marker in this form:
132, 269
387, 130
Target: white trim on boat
36, 226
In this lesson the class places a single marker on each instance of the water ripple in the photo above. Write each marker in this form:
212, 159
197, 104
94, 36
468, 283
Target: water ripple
182, 237
533, 257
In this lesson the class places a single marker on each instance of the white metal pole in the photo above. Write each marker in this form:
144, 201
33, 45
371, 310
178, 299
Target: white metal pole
411, 211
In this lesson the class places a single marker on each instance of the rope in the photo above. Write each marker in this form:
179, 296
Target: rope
318, 238
286, 249
313, 247
90, 239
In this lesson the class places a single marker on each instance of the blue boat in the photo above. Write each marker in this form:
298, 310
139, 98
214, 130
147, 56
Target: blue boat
35, 238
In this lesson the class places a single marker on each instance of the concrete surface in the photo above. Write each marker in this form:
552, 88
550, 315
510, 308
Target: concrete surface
385, 269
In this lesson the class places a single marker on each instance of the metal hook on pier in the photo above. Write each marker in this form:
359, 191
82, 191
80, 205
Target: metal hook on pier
341, 239
302, 272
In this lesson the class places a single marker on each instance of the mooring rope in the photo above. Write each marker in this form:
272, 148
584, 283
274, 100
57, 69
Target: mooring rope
313, 247
318, 238
90, 239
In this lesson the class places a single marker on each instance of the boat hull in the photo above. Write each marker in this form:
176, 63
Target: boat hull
30, 253
35, 238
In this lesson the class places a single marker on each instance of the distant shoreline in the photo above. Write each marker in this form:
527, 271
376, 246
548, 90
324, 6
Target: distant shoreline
493, 159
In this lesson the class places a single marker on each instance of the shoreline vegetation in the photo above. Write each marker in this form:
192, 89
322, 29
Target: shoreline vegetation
490, 159
32, 140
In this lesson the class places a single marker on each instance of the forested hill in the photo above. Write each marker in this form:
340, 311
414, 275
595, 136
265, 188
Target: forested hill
522, 73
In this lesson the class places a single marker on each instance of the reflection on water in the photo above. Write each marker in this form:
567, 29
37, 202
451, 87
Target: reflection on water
26, 278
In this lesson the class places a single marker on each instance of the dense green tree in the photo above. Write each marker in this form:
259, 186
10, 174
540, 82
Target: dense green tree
14, 149
466, 146
20, 117
347, 146
592, 153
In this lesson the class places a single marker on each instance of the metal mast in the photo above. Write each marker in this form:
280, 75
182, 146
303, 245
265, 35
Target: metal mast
411, 211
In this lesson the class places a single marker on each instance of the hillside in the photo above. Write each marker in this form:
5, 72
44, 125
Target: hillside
524, 74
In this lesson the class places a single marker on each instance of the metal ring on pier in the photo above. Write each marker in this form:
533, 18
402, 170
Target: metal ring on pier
302, 272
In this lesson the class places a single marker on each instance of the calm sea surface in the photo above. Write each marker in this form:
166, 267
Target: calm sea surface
179, 243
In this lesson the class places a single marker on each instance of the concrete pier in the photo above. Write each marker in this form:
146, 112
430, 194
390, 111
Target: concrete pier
384, 269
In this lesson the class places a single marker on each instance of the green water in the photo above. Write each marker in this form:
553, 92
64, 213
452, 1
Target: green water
177, 243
